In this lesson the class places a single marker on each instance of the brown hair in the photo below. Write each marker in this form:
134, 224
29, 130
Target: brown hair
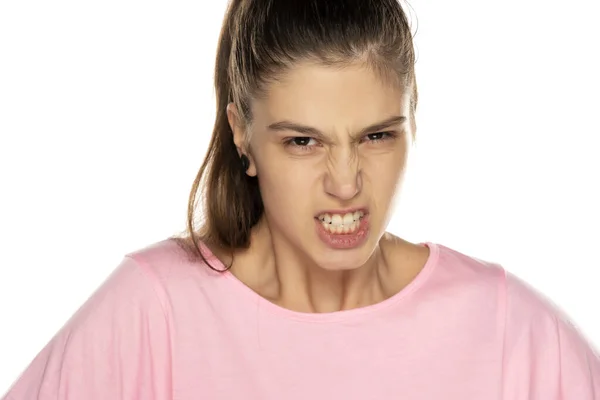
259, 40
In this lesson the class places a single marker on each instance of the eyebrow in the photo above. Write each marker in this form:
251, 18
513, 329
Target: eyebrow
309, 130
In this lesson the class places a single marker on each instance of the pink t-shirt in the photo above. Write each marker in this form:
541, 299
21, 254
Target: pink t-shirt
164, 328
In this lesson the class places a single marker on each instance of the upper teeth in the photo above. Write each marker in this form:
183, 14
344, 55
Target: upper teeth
339, 219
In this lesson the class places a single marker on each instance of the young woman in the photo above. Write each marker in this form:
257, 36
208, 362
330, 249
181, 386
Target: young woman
289, 287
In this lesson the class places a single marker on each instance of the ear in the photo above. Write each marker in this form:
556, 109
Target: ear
239, 134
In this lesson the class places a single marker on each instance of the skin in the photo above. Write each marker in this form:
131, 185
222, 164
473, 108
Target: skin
342, 166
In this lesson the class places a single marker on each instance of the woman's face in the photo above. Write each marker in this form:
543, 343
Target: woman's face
329, 147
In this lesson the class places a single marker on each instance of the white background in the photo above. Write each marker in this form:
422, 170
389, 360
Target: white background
106, 109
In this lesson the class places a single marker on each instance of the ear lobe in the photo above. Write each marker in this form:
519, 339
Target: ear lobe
238, 137
251, 171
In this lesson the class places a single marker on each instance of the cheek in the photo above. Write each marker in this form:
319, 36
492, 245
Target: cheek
380, 186
286, 186
382, 176
385, 169
288, 198
279, 171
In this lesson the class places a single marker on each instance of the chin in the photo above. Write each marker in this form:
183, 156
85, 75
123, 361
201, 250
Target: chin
344, 260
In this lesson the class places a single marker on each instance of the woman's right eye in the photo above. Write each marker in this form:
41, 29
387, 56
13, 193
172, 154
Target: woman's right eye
302, 144
301, 141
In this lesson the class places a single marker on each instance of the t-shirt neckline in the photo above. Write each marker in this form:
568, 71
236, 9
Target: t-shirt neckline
334, 316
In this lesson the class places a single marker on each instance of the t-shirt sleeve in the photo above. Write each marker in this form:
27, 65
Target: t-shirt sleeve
546, 357
116, 346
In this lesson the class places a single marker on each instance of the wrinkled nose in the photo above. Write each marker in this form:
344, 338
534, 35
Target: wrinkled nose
343, 179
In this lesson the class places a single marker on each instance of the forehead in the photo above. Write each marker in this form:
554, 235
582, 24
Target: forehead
327, 96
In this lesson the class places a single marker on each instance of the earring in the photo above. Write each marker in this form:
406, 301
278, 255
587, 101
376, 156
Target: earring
245, 162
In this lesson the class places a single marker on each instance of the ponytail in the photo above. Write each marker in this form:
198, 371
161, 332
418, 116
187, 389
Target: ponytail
230, 199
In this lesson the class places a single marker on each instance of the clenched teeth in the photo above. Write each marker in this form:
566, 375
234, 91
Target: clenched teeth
338, 223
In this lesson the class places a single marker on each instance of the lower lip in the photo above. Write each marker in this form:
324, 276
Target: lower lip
344, 240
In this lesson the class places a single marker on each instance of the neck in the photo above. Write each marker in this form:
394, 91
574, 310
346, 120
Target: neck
278, 271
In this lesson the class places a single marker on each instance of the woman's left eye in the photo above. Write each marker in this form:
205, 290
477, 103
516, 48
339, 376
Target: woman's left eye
375, 137
302, 141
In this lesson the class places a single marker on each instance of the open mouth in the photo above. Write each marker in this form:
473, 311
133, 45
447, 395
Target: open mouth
341, 223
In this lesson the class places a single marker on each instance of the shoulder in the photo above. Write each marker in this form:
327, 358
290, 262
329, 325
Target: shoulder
531, 314
462, 275
528, 306
445, 266
138, 290
519, 305
172, 259
175, 273
543, 349
122, 322
534, 323
521, 302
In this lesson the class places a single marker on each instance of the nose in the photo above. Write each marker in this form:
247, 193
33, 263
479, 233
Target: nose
343, 179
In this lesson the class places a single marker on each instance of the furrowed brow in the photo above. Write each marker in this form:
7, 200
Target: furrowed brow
311, 131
